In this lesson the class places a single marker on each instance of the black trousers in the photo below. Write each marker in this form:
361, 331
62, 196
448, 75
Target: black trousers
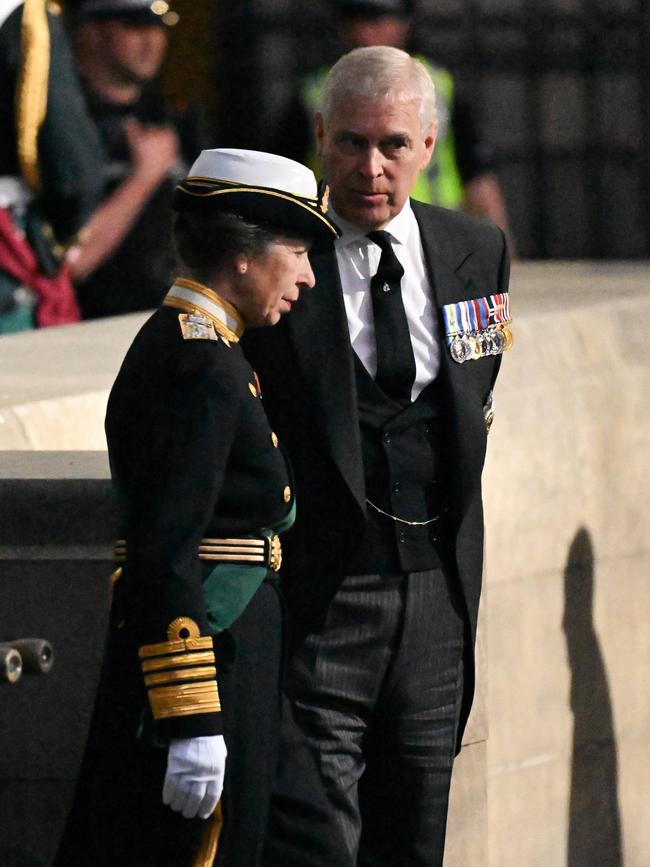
118, 818
369, 736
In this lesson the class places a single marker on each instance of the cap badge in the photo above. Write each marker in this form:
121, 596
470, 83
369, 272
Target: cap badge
324, 202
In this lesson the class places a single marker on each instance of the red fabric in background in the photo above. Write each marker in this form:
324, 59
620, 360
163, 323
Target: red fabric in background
56, 304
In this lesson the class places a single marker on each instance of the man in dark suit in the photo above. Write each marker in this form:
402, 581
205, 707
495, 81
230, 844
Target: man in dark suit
380, 386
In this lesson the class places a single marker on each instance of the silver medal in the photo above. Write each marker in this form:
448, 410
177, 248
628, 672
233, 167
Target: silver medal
460, 348
498, 341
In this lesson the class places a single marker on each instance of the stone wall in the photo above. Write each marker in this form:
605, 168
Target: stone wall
568, 557
562, 779
54, 383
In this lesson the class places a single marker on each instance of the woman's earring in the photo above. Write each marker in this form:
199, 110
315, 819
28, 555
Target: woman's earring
243, 268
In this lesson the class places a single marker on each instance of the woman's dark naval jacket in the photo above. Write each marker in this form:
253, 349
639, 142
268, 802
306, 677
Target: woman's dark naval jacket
192, 456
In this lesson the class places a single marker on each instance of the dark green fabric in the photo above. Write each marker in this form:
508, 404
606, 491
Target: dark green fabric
230, 586
227, 590
20, 319
284, 524
16, 314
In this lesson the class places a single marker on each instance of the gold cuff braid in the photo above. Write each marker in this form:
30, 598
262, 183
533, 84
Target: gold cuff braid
182, 657
176, 661
199, 673
186, 699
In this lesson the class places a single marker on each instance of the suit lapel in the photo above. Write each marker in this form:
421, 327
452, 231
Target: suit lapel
449, 285
319, 332
321, 339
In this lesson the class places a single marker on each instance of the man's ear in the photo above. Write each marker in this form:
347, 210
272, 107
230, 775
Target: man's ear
429, 144
319, 132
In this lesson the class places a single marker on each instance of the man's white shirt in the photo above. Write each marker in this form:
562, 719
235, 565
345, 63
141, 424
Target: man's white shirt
358, 260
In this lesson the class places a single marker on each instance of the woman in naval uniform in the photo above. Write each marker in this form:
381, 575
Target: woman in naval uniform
191, 683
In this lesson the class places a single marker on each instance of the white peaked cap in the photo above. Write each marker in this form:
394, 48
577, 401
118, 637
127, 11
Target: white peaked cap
255, 169
263, 188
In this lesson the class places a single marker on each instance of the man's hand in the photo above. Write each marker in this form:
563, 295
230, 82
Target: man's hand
154, 150
194, 778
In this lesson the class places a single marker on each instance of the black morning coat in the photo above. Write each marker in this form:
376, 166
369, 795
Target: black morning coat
307, 374
192, 456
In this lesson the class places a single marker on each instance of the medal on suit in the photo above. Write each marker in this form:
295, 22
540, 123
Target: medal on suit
460, 348
478, 327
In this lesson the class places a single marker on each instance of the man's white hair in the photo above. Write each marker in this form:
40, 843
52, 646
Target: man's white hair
379, 72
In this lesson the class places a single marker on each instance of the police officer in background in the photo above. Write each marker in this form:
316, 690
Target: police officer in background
460, 174
50, 166
120, 46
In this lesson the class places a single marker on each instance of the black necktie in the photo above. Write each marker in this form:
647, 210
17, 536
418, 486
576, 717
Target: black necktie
395, 359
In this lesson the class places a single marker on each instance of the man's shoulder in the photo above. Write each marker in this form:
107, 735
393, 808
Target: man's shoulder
462, 228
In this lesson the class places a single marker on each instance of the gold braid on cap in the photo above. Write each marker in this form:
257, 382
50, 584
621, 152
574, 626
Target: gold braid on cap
180, 673
31, 89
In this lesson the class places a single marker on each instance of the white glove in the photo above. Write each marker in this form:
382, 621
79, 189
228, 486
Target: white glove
194, 778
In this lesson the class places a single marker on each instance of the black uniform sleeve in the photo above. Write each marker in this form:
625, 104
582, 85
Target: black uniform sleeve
171, 492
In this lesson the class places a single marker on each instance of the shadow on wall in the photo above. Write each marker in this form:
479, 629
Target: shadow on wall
594, 819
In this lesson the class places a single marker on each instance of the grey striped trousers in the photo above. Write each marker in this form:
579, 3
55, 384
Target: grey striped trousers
370, 727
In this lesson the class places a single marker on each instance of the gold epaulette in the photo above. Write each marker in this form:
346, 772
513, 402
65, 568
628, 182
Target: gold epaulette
180, 673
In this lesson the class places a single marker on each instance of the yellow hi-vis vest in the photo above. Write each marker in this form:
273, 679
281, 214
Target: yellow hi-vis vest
440, 182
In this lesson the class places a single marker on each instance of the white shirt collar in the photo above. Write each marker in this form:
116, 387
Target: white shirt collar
400, 227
